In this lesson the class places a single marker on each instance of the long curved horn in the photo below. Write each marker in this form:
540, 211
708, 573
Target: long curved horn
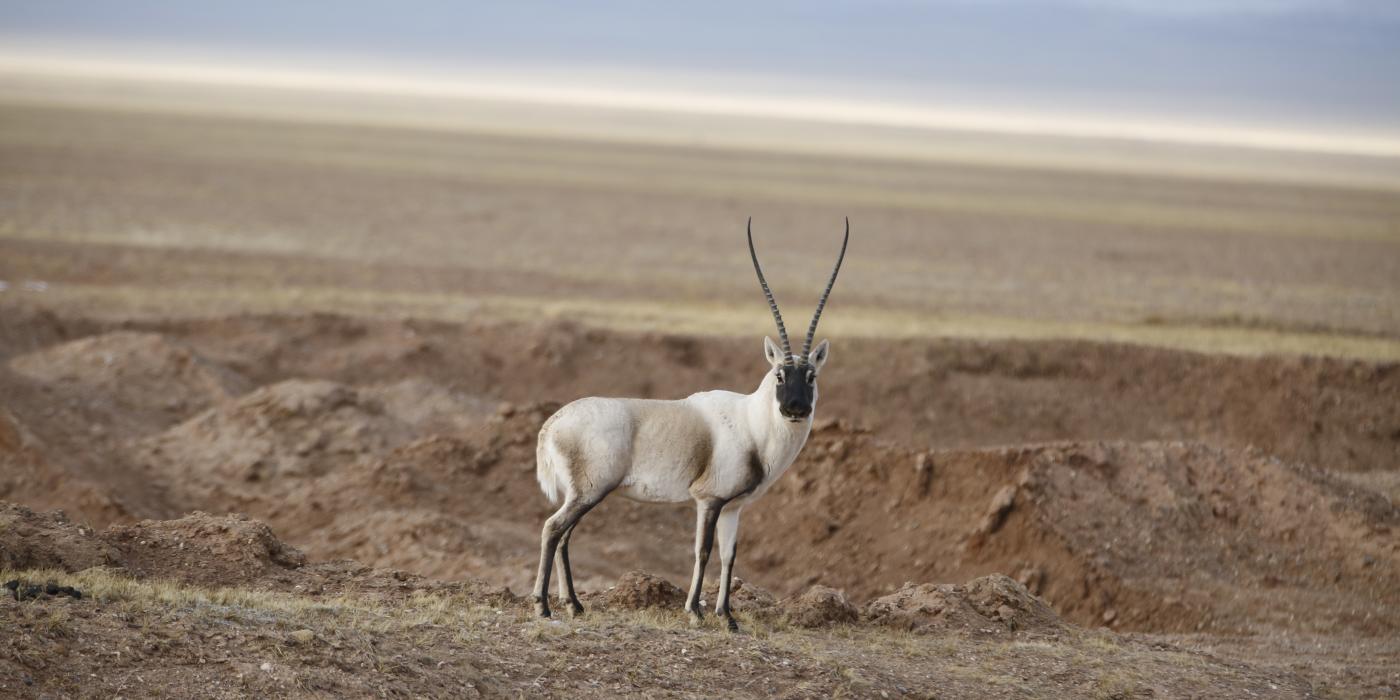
812, 330
777, 316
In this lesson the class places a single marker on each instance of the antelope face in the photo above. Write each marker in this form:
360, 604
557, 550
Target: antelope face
795, 380
795, 376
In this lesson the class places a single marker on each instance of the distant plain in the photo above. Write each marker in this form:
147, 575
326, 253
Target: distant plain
151, 199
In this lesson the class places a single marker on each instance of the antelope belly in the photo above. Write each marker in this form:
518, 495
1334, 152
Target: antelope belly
655, 483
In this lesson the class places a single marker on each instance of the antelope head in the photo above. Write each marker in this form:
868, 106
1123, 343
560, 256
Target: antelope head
794, 377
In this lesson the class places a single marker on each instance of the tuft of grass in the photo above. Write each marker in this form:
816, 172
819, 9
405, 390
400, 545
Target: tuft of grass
54, 622
241, 604
1117, 685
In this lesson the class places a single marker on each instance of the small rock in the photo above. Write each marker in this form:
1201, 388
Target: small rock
303, 636
1109, 616
266, 667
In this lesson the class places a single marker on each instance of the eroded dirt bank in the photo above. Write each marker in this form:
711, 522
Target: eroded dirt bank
1142, 490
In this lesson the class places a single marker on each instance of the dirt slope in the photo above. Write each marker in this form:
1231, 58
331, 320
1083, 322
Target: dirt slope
409, 446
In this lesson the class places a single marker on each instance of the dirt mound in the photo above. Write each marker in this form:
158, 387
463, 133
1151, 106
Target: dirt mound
819, 606
291, 429
203, 549
348, 472
1233, 539
30, 540
1156, 536
638, 590
300, 429
988, 605
432, 408
145, 373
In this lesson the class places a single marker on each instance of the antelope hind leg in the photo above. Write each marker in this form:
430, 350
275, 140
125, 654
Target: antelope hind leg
566, 573
554, 529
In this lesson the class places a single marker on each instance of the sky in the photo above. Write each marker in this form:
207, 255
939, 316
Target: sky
1329, 65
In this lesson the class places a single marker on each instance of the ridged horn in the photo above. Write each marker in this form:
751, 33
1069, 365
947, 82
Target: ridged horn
812, 330
777, 316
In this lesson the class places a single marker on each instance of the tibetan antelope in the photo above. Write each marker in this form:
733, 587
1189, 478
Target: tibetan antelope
719, 448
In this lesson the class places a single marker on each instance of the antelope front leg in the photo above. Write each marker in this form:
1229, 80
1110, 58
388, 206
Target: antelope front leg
728, 532
706, 513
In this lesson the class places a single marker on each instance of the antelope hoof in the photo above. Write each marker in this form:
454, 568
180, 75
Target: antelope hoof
542, 607
696, 618
733, 626
576, 609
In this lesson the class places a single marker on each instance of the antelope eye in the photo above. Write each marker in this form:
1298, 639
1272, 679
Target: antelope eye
780, 376
811, 377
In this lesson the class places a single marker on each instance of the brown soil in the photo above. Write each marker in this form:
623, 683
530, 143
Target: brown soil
409, 447
985, 605
638, 590
820, 606
291, 628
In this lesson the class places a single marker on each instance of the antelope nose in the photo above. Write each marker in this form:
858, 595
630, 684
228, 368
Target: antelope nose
795, 410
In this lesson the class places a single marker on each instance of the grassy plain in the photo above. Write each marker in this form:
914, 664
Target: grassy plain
122, 203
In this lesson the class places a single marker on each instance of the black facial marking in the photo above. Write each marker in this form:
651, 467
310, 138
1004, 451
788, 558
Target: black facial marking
796, 390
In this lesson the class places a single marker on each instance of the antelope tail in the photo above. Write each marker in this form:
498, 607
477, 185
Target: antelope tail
548, 461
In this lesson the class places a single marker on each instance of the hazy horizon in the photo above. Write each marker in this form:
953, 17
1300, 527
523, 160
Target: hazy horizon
1192, 69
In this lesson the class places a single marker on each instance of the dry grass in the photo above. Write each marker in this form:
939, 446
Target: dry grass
430, 635
358, 612
367, 613
220, 215
702, 319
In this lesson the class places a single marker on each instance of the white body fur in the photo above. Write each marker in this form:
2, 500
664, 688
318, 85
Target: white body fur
720, 449
636, 446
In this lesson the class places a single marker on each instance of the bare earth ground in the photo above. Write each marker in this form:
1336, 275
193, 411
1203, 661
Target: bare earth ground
1173, 523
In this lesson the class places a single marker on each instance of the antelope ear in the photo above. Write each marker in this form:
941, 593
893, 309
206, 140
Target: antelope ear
818, 357
773, 352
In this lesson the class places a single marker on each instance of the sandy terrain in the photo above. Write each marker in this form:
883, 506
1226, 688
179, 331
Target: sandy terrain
1082, 434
